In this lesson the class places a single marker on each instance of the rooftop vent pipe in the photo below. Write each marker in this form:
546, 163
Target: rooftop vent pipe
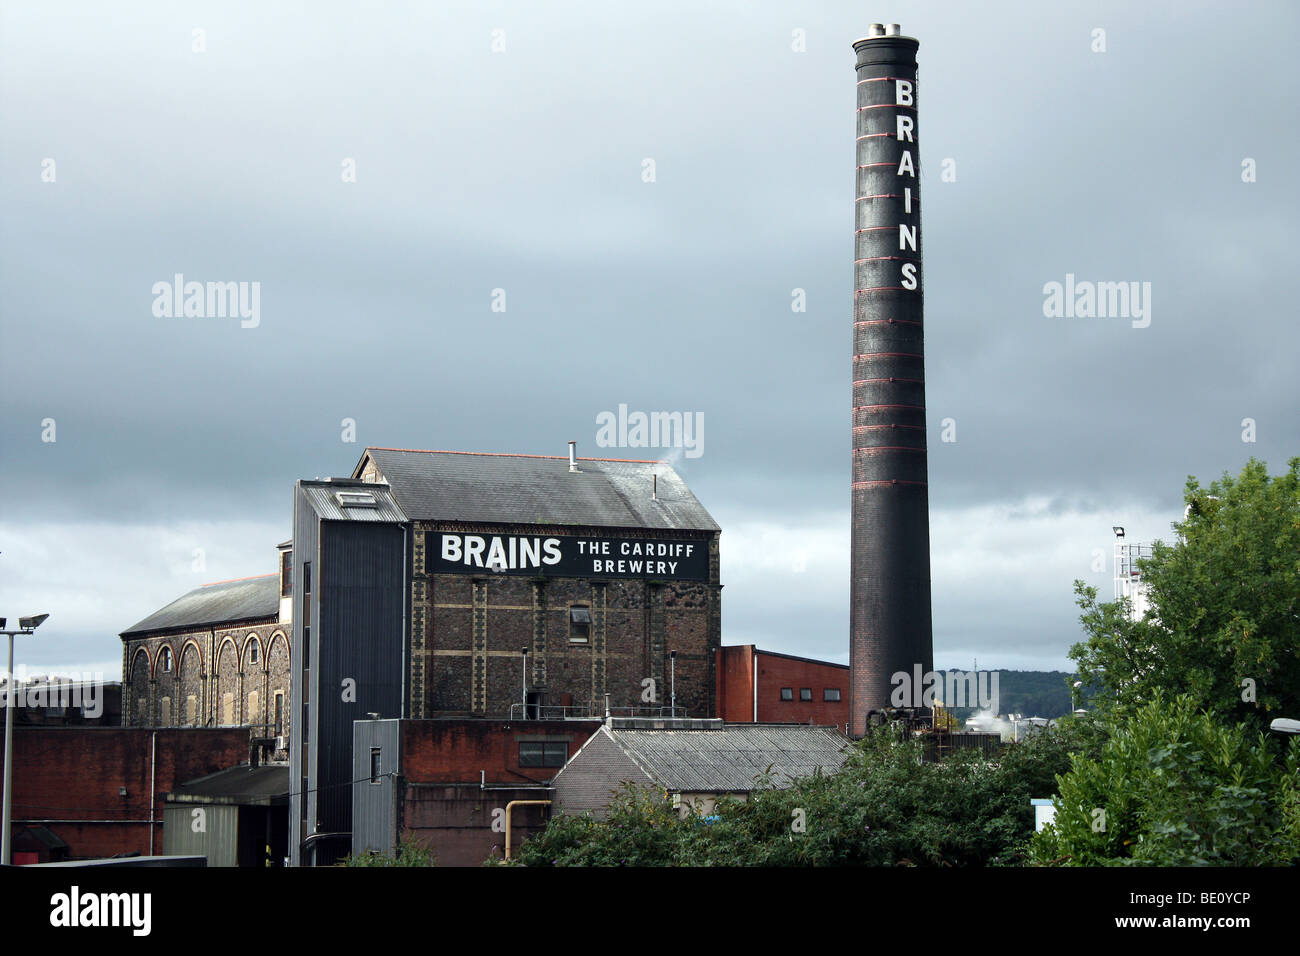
573, 456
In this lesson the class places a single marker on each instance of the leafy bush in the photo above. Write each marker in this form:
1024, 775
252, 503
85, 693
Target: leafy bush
884, 807
409, 853
1172, 786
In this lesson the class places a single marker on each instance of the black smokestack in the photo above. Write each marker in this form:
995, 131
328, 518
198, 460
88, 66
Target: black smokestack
890, 588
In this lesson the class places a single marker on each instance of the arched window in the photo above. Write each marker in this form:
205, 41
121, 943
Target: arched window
165, 660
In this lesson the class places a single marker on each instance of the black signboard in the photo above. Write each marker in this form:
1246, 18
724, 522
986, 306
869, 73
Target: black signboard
573, 557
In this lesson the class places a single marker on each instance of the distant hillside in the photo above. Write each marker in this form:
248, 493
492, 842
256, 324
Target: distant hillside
1030, 693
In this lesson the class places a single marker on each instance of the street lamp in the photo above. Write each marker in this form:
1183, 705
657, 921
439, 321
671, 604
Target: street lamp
524, 672
672, 670
26, 625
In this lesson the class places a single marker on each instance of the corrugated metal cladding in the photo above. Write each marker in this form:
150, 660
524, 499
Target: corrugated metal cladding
374, 810
359, 643
733, 757
302, 803
219, 841
330, 500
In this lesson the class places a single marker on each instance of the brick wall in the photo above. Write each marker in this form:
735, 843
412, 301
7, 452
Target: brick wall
736, 672
455, 751
468, 632
68, 780
441, 804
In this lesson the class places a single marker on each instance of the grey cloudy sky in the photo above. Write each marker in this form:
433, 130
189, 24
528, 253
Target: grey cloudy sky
521, 170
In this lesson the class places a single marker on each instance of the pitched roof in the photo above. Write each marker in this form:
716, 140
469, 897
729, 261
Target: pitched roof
731, 756
342, 499
537, 489
264, 785
243, 599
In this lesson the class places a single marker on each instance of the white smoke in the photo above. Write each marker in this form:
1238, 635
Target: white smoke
988, 722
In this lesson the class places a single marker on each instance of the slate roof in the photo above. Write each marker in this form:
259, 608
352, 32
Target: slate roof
537, 489
243, 599
732, 756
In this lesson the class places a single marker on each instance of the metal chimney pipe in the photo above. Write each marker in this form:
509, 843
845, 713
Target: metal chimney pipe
890, 622
573, 456
654, 487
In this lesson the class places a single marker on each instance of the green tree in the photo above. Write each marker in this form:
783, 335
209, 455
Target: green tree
409, 853
884, 807
1173, 786
1224, 625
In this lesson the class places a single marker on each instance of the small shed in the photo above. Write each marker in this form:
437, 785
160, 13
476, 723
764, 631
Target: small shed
38, 845
235, 817
694, 761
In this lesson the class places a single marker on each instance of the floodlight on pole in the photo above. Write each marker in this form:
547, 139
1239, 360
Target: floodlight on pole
26, 625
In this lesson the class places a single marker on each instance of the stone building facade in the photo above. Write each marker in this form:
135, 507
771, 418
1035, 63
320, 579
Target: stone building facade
218, 656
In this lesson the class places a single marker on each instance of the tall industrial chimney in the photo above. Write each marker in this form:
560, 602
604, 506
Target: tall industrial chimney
890, 622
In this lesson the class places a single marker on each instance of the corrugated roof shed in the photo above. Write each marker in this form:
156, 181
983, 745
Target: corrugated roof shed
733, 756
346, 500
537, 489
244, 599
245, 785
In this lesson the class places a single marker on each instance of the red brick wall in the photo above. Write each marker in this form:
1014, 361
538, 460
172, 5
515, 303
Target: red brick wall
70, 777
442, 807
455, 751
735, 687
736, 683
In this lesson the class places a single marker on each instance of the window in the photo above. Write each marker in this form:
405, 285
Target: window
165, 660
165, 712
356, 499
543, 753
787, 693
374, 764
831, 693
579, 624
253, 651
286, 573
279, 713
805, 693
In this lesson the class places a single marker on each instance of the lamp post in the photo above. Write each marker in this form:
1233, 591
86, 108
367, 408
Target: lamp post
26, 625
524, 672
672, 685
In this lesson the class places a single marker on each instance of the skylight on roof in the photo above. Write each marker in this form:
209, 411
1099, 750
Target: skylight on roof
356, 499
